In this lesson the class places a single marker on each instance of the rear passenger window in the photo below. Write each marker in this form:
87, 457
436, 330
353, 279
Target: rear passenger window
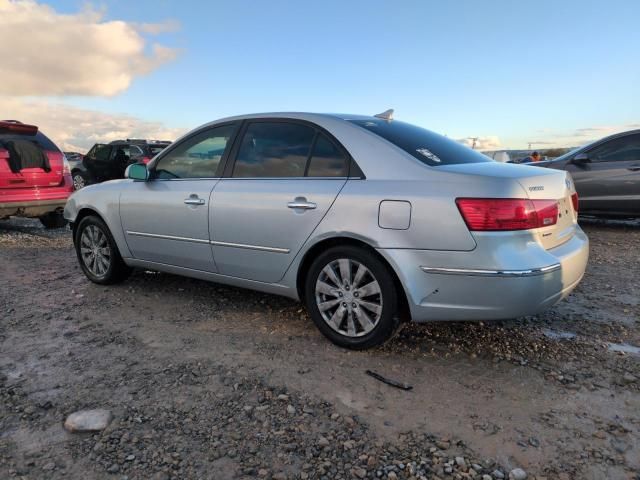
327, 160
273, 149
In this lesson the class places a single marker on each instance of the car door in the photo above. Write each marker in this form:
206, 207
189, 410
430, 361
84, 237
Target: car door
284, 178
166, 219
609, 178
97, 161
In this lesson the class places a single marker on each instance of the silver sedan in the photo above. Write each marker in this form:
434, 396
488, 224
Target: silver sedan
366, 219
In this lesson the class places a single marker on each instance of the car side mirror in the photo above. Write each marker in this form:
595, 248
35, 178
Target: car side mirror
581, 159
4, 154
137, 171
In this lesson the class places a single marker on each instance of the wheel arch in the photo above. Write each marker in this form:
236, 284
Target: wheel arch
316, 249
82, 213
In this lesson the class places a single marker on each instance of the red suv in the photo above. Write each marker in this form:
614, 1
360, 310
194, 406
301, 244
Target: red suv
35, 180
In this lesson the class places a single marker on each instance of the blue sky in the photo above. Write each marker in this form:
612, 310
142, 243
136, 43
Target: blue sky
520, 71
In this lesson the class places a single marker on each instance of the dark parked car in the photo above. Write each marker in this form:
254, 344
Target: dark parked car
109, 161
606, 174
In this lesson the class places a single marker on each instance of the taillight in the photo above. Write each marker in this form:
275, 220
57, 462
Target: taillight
574, 200
495, 214
145, 160
66, 168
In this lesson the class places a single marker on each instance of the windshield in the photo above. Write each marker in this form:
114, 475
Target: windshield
428, 147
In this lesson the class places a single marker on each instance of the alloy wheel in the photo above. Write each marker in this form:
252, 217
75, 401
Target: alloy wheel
349, 297
95, 250
78, 182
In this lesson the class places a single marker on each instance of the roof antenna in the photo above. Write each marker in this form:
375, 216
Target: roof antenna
386, 115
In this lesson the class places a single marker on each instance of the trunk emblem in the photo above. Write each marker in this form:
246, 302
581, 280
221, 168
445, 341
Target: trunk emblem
536, 188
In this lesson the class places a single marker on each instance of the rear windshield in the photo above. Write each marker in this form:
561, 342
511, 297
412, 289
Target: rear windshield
39, 138
428, 147
156, 149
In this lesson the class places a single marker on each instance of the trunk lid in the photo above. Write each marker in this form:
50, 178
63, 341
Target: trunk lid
558, 187
538, 184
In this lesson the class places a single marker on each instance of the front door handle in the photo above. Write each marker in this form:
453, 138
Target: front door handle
301, 203
194, 200
634, 168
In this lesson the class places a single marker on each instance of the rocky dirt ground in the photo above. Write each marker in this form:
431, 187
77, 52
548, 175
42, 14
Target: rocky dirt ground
206, 381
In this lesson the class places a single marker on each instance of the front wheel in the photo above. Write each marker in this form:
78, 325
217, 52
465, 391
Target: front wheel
352, 298
98, 253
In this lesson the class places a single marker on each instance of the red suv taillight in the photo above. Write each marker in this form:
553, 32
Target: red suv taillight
574, 200
495, 214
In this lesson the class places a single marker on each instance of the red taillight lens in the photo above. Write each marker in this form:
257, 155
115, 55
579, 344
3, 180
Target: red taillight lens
574, 200
145, 160
495, 214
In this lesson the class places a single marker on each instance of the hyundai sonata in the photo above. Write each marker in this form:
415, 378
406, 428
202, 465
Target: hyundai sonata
366, 219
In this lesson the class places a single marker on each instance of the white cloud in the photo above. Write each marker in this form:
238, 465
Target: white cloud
77, 129
44, 52
491, 142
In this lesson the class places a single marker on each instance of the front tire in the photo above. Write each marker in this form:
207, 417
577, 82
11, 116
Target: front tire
351, 297
98, 253
53, 220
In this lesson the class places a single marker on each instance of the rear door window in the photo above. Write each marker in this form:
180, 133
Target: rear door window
326, 160
430, 148
274, 150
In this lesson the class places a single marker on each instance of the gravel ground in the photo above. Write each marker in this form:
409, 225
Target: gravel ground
206, 381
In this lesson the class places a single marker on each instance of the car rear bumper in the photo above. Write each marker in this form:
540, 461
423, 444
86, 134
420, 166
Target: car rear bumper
33, 208
519, 281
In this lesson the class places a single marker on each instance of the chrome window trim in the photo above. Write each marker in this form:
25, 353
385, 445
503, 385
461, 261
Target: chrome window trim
211, 242
492, 273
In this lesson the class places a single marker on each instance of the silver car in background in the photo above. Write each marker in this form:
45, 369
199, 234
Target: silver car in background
366, 219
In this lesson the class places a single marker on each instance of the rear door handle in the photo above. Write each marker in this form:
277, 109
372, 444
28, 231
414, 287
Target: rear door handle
634, 168
302, 203
194, 200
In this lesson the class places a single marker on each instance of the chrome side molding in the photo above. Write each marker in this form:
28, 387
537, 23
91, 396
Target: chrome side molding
212, 242
492, 273
250, 247
167, 237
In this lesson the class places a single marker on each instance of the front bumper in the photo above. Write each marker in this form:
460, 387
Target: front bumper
508, 280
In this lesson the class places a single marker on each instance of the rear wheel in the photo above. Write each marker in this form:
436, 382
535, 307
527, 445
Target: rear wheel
53, 220
352, 298
98, 253
80, 180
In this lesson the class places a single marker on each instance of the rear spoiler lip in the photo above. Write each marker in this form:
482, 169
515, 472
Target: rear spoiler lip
18, 127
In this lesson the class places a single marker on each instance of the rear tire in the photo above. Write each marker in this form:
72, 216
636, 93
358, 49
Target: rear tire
351, 297
53, 220
80, 180
98, 253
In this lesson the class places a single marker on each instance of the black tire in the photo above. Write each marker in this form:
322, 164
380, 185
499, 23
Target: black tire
53, 220
117, 270
388, 322
80, 179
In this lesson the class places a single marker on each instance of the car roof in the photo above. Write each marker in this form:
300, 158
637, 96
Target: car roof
310, 116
